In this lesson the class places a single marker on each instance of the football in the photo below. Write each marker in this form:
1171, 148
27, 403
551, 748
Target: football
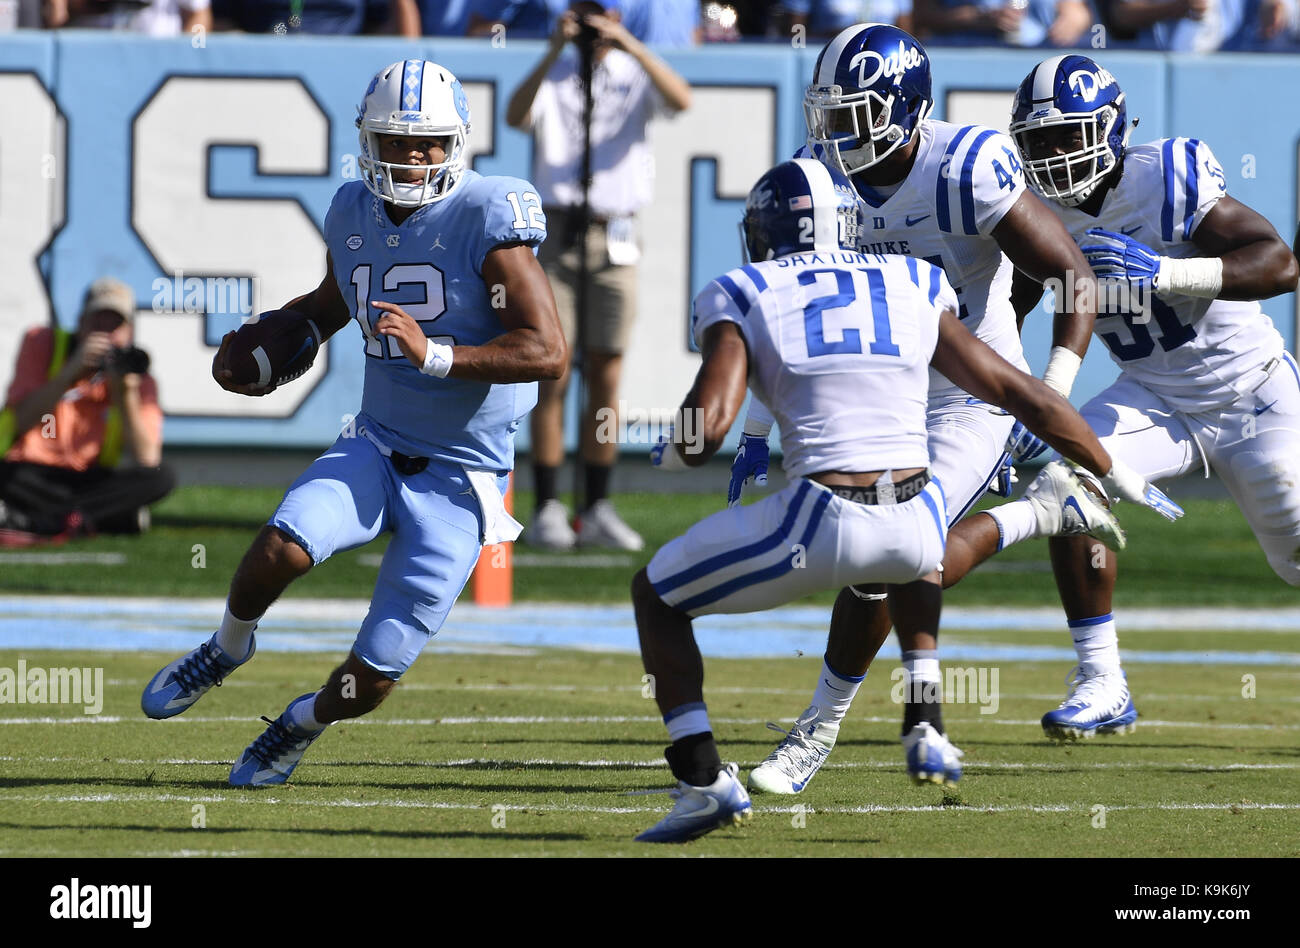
277, 348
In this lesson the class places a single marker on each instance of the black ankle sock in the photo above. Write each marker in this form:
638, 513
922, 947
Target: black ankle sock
597, 476
695, 759
916, 712
544, 483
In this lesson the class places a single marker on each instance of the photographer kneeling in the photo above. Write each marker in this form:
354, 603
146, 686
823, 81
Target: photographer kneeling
80, 403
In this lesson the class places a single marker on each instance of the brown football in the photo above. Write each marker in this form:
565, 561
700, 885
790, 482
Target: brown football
280, 346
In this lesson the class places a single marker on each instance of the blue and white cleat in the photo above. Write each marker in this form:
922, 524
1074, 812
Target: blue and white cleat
796, 760
931, 758
1096, 704
701, 810
272, 757
1064, 506
189, 678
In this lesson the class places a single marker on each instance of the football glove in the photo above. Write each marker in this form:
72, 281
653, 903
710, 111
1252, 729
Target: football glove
1023, 445
1005, 480
1115, 256
664, 455
750, 465
1124, 483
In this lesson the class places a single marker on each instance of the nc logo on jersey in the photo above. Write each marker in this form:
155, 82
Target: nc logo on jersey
1086, 84
891, 67
354, 242
394, 240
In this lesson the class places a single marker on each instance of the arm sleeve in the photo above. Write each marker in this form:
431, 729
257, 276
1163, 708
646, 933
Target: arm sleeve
978, 182
718, 303
1193, 183
504, 223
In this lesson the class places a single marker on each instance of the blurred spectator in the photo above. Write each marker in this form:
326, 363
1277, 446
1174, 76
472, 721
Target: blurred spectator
77, 404
1059, 23
151, 17
1195, 26
667, 24
444, 17
523, 19
825, 18
338, 17
630, 86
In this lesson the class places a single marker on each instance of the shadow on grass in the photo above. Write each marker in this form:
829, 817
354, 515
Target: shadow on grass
295, 831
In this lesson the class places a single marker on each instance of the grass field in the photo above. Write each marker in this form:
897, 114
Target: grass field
559, 749
549, 752
1207, 558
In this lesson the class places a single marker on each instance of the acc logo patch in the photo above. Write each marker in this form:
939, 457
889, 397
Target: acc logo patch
354, 242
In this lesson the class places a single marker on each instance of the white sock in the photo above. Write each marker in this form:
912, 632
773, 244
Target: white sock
687, 719
1016, 521
303, 713
235, 634
922, 668
834, 694
1097, 644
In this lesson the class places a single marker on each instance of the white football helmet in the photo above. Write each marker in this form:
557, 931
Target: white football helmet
413, 97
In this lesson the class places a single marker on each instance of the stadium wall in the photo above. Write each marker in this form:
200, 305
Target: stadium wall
201, 176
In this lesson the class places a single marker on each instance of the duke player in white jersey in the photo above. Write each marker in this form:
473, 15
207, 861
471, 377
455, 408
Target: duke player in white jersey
417, 252
953, 195
1205, 380
841, 346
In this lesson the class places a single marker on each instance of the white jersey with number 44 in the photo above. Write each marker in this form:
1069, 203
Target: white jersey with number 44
839, 346
1196, 354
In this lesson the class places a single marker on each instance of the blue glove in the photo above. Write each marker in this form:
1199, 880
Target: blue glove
1005, 481
1023, 445
1115, 256
750, 465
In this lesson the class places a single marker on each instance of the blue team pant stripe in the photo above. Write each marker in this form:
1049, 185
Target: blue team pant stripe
1095, 620
767, 573
759, 547
967, 186
979, 493
942, 216
739, 298
943, 495
934, 512
1167, 210
1291, 362
759, 283
1189, 209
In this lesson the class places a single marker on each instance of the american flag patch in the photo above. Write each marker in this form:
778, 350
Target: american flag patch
801, 203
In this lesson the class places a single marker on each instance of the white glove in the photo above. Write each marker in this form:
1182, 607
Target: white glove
1124, 483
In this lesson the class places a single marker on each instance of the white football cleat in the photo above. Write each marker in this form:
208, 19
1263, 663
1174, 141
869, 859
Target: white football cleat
549, 529
931, 757
1096, 704
1065, 507
701, 810
796, 760
600, 525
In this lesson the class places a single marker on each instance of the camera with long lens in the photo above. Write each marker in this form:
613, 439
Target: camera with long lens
127, 360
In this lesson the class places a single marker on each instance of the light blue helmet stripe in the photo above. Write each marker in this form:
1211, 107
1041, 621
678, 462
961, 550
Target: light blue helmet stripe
412, 85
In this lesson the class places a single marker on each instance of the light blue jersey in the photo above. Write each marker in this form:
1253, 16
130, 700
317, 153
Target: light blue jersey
432, 267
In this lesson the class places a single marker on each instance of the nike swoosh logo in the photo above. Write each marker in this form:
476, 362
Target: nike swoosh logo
1071, 502
1260, 411
710, 808
832, 687
910, 223
1132, 231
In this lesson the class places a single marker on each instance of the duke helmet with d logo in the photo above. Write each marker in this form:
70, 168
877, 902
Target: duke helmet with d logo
1069, 102
800, 206
410, 98
870, 90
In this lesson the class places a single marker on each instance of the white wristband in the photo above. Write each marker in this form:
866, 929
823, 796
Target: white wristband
1192, 276
759, 421
437, 359
1062, 367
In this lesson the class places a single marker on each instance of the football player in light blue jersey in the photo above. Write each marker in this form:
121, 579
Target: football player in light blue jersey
438, 266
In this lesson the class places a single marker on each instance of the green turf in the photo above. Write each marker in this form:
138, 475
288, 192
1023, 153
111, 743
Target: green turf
1218, 778
1207, 558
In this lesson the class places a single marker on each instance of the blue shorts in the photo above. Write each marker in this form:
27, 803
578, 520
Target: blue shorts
350, 495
